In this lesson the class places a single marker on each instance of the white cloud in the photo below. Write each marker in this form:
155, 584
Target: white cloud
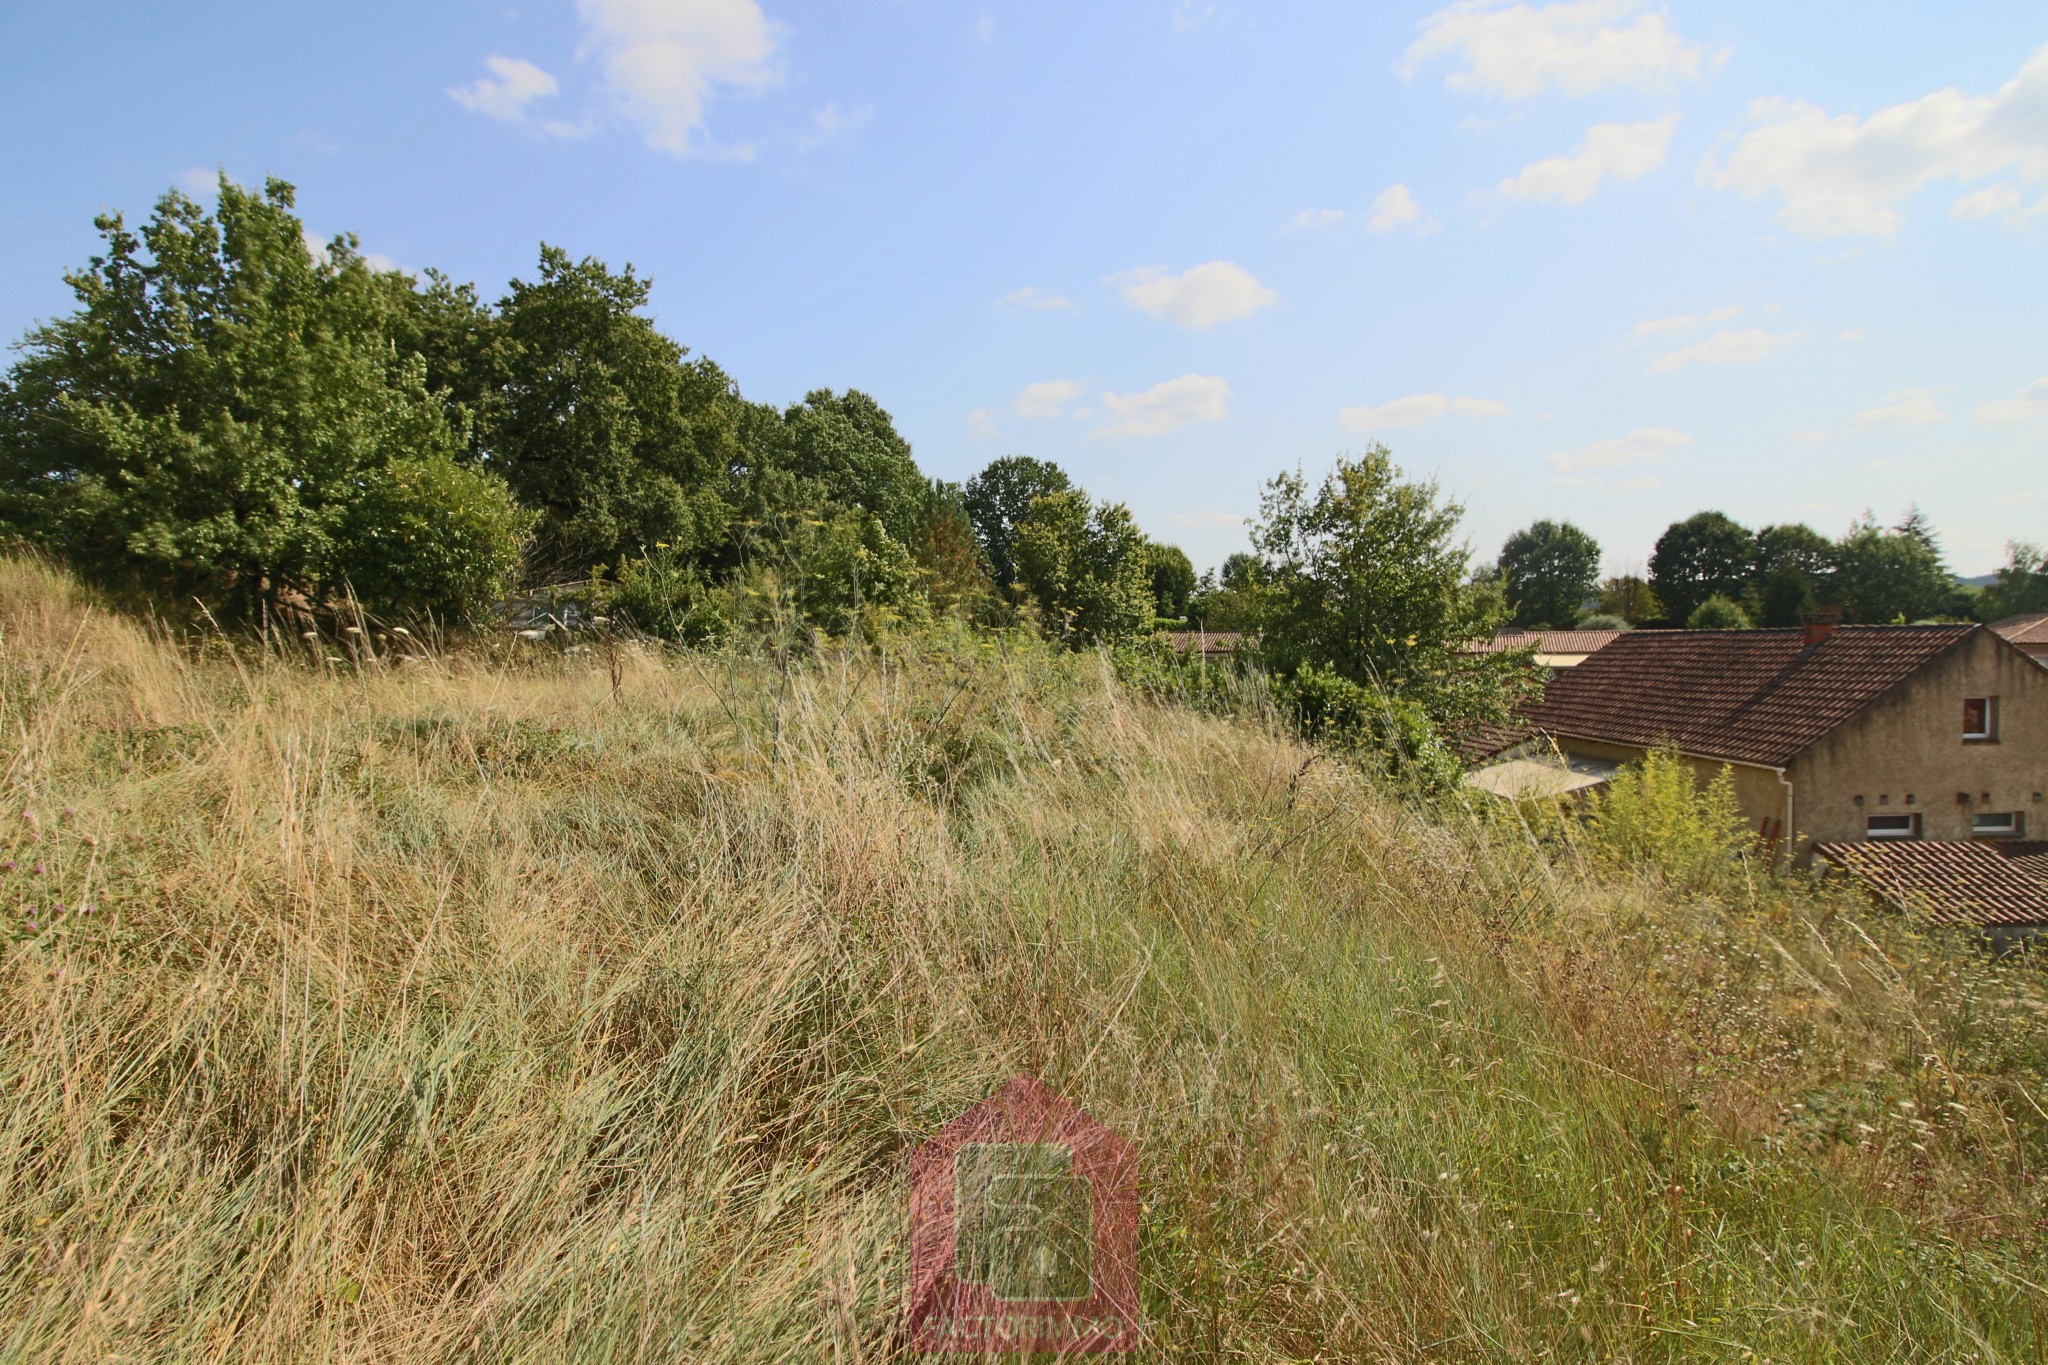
2002, 200
1746, 347
1852, 334
505, 94
1167, 407
832, 121
1202, 297
1192, 14
985, 30
1907, 407
198, 182
1414, 410
2031, 403
1626, 151
1395, 207
665, 60
1308, 220
1032, 299
1576, 48
1841, 176
981, 424
1644, 445
1048, 399
1683, 323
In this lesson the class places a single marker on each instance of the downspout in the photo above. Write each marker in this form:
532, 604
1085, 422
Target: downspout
1790, 834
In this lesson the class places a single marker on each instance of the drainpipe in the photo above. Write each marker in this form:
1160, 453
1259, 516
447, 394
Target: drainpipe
1790, 835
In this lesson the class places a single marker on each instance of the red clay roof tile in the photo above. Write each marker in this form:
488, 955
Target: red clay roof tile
1750, 696
1954, 882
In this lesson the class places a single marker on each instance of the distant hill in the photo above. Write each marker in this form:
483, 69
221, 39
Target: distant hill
1982, 580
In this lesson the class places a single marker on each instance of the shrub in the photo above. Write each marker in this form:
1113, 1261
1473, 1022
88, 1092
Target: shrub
1655, 815
1717, 613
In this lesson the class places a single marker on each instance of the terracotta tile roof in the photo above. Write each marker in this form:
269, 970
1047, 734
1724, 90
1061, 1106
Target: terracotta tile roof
1546, 641
1751, 696
1209, 643
2029, 630
1479, 740
1980, 882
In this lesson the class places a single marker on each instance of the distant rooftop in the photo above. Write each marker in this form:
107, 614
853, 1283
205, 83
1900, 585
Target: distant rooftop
1546, 641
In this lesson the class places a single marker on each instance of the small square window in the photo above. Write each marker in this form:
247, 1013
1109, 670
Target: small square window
1980, 717
2009, 824
1892, 827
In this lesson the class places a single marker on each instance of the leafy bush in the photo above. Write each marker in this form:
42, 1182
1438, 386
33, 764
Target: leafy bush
1655, 815
1717, 613
1393, 734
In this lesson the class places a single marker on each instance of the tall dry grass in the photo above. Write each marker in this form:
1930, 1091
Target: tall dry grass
531, 1011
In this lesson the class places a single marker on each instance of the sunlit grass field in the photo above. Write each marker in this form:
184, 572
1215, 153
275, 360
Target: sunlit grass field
534, 1006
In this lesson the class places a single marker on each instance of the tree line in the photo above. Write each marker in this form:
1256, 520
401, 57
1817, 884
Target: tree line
1709, 571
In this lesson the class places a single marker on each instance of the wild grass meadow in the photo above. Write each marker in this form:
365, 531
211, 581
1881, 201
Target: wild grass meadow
460, 1004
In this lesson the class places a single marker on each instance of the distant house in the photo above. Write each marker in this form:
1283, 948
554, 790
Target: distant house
1212, 645
1833, 735
1554, 648
2028, 632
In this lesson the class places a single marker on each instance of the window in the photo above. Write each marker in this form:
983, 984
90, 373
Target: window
1980, 717
1997, 825
1892, 827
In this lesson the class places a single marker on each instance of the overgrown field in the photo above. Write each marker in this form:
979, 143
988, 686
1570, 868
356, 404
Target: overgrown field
537, 1010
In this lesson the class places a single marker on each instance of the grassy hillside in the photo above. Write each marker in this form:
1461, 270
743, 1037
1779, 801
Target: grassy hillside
500, 1011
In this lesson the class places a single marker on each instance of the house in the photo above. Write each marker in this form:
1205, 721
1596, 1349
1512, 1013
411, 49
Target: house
1214, 646
1833, 734
1554, 648
2029, 632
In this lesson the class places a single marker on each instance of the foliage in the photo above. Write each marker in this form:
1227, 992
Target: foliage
1084, 566
1630, 598
426, 534
1600, 620
956, 576
1657, 815
844, 451
206, 423
599, 424
1704, 555
2021, 584
1886, 576
1173, 580
1549, 570
1232, 600
1717, 613
1391, 735
1793, 565
998, 499
1365, 578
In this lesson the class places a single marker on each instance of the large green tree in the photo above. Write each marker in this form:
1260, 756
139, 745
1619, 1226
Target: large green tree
2021, 584
1173, 580
223, 412
999, 498
601, 426
844, 451
1896, 575
1708, 553
1550, 571
1364, 574
1793, 568
1084, 566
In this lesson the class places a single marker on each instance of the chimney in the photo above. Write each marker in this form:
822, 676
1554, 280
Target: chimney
1820, 625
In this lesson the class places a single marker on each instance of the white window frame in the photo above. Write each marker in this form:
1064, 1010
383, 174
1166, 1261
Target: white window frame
1911, 829
1990, 730
2015, 825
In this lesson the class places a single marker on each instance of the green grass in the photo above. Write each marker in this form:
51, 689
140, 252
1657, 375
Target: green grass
485, 1010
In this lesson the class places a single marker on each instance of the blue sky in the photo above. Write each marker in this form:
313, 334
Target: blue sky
1600, 260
